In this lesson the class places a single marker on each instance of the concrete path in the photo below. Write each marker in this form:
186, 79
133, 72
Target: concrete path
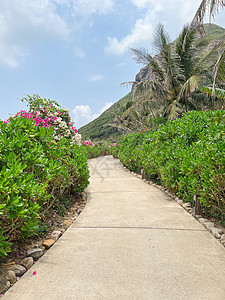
131, 242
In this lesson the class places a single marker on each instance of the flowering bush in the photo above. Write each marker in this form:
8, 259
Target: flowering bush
35, 170
88, 143
49, 114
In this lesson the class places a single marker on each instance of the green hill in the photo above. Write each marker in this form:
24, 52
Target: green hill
100, 128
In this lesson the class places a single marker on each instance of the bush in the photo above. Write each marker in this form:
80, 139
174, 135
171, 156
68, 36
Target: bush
35, 171
97, 149
187, 155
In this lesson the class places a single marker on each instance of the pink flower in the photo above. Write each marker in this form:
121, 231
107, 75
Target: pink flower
34, 273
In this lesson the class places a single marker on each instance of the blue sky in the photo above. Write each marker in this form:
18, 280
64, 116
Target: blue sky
77, 51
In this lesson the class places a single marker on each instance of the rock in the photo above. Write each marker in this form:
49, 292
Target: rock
83, 194
169, 194
217, 232
68, 223
11, 277
203, 220
35, 253
79, 210
27, 262
4, 284
48, 243
198, 217
222, 240
180, 202
19, 270
33, 246
187, 205
208, 225
56, 235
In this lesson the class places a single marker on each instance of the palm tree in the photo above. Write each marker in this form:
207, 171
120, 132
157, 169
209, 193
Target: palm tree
175, 74
176, 81
213, 6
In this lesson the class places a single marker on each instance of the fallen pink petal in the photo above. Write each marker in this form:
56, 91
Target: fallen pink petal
34, 273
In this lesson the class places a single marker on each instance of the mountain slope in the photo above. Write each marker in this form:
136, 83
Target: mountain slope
99, 129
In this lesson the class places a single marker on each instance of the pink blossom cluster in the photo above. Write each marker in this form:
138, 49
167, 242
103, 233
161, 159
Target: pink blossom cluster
59, 120
88, 143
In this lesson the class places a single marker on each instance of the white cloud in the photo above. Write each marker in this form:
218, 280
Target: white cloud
154, 11
95, 77
89, 7
181, 8
155, 4
83, 114
25, 22
82, 111
139, 34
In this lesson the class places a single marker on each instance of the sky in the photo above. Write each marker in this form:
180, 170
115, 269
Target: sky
77, 52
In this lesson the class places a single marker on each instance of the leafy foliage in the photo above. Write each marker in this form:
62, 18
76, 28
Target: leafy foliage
187, 155
35, 171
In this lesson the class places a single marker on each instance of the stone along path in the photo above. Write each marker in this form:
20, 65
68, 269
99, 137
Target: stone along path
131, 242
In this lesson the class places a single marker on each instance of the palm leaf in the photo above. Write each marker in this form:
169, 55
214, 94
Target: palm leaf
190, 86
161, 39
185, 49
219, 68
213, 6
219, 93
141, 56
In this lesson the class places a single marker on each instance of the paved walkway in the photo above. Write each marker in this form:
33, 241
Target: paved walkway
131, 242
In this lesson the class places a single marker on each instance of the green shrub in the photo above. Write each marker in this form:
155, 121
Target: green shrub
187, 155
95, 150
34, 172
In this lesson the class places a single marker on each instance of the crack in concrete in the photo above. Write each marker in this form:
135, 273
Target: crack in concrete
137, 227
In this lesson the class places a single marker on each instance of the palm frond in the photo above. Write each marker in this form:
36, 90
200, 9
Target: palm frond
141, 56
161, 39
173, 110
219, 70
185, 49
190, 86
219, 93
157, 70
210, 58
213, 6
174, 71
128, 84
